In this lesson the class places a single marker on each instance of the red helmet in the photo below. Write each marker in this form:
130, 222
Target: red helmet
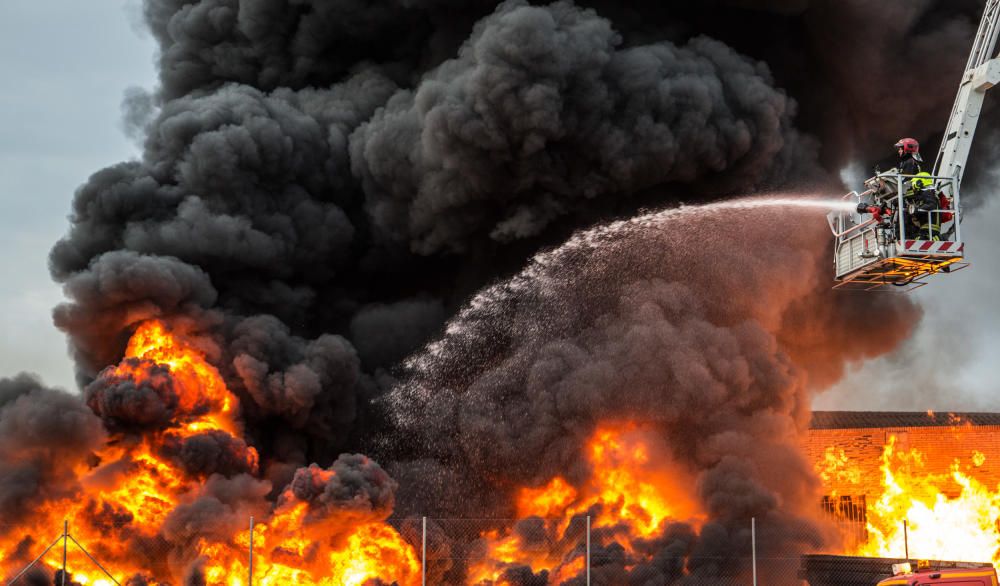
909, 145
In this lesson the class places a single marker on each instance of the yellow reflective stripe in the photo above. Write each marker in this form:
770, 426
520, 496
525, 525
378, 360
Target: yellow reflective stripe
945, 576
989, 573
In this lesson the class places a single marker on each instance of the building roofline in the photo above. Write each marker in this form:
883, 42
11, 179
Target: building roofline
895, 419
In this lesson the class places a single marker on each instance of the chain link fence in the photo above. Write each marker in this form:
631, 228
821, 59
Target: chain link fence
49, 565
576, 551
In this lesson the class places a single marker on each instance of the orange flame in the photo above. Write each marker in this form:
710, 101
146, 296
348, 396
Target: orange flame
130, 481
836, 467
630, 494
950, 515
199, 383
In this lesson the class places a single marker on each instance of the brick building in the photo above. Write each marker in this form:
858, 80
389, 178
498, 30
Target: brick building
847, 447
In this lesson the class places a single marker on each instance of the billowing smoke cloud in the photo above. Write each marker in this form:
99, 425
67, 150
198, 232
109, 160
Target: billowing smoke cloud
355, 488
44, 433
145, 397
280, 217
209, 452
544, 110
324, 183
673, 320
863, 74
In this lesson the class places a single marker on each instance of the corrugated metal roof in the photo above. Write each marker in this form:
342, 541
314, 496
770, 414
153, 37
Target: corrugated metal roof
880, 419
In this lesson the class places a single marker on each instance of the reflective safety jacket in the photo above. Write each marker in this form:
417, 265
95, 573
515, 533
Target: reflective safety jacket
922, 195
919, 183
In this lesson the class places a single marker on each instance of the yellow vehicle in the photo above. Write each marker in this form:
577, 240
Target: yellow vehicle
983, 576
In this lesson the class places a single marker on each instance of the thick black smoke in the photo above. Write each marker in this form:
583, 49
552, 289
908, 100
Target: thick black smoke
310, 186
324, 183
544, 111
355, 489
44, 434
863, 73
674, 321
147, 399
296, 217
46, 437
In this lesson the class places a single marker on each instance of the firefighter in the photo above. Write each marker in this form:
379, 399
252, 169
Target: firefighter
922, 198
910, 162
915, 189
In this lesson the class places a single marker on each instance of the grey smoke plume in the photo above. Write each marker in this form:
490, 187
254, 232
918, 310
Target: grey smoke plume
673, 320
355, 488
277, 218
544, 110
147, 400
43, 431
209, 452
324, 183
45, 434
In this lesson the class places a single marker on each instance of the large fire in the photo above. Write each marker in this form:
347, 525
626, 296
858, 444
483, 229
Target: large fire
949, 515
134, 483
628, 489
629, 495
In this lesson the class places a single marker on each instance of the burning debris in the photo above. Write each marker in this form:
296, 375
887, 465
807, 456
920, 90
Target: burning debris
323, 186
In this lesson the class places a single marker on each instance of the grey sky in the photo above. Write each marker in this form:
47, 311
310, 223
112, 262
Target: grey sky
952, 363
66, 65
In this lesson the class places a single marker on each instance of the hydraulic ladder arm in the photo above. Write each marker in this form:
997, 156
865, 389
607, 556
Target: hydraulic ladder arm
981, 73
885, 250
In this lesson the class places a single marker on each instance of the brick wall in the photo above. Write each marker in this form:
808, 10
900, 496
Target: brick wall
940, 446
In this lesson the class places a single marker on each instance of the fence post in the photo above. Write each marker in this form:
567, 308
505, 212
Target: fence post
36, 560
250, 569
588, 550
753, 546
423, 552
65, 544
906, 541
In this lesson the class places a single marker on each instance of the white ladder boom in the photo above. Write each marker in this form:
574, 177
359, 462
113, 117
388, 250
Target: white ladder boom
981, 73
888, 241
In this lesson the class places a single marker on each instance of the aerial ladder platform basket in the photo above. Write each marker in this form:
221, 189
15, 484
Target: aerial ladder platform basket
884, 240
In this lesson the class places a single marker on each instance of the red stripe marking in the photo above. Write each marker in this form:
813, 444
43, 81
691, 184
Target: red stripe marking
946, 245
910, 243
926, 245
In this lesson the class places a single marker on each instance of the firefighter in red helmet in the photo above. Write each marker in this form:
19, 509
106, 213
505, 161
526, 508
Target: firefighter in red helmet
910, 162
918, 194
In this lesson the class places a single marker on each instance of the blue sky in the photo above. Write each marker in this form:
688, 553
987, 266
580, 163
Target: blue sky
66, 65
